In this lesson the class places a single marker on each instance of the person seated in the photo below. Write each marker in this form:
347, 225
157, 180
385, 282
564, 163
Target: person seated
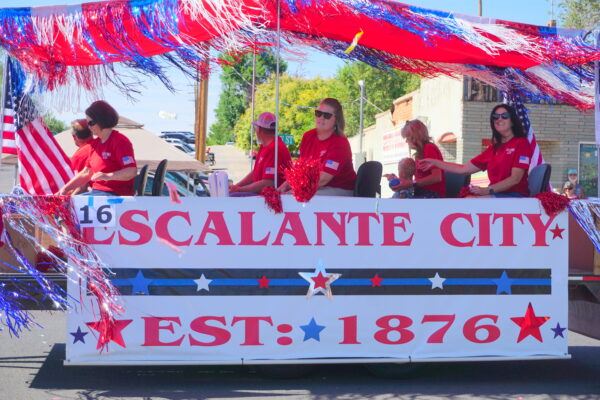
263, 173
577, 188
406, 170
111, 166
568, 190
327, 143
82, 136
507, 159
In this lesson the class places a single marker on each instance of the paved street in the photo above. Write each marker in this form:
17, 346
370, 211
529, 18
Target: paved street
31, 368
232, 160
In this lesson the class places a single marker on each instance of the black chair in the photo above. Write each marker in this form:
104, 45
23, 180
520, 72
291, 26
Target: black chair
539, 179
139, 182
368, 179
455, 182
159, 178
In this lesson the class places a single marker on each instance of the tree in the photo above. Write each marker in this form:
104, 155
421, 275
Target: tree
54, 124
236, 79
580, 14
381, 88
294, 91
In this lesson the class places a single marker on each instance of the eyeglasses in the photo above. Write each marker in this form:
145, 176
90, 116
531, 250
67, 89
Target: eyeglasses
91, 122
326, 115
504, 115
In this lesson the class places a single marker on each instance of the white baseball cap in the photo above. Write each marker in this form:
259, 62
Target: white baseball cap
266, 120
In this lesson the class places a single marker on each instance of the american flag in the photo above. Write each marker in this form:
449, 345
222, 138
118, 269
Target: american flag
43, 166
514, 100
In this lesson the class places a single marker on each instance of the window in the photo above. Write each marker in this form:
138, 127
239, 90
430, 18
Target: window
588, 168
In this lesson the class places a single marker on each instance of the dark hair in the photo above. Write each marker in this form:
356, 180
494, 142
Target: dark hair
103, 114
340, 122
80, 129
517, 127
392, 109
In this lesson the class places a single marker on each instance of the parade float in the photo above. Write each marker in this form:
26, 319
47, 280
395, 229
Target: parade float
158, 280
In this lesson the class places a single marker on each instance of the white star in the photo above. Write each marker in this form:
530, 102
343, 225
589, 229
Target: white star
437, 281
202, 283
320, 270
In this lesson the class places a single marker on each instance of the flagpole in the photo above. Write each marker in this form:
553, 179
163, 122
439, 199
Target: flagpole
2, 101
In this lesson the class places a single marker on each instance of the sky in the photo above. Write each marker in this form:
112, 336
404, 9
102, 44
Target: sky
156, 101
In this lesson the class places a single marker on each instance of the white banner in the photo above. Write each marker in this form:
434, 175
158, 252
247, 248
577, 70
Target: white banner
226, 280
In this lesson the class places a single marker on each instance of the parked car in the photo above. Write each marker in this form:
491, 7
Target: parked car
185, 185
186, 137
189, 149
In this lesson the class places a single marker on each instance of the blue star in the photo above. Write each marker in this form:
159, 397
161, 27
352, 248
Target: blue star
139, 284
558, 331
312, 330
79, 335
503, 283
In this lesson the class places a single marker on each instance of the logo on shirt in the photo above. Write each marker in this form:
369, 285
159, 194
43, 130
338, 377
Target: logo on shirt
524, 160
322, 153
105, 155
510, 151
127, 160
332, 164
270, 170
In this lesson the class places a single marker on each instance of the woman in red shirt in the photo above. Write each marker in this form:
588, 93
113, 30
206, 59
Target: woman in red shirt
506, 159
110, 167
429, 184
328, 144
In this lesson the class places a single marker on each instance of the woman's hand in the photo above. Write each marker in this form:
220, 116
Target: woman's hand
233, 188
479, 191
390, 176
426, 164
284, 188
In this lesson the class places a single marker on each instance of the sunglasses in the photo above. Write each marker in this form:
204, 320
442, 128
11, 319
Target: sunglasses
504, 115
91, 123
323, 114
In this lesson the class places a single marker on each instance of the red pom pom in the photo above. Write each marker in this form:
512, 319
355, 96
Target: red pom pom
465, 191
303, 178
553, 203
272, 199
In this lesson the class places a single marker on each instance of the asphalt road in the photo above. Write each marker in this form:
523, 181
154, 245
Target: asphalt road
31, 368
232, 160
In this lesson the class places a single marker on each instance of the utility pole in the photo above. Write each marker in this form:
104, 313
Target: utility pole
480, 8
200, 120
361, 83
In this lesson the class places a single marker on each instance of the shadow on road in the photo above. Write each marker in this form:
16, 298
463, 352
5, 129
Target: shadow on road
493, 380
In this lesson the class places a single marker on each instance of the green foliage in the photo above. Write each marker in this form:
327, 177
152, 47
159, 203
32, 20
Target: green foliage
580, 14
381, 88
54, 124
292, 120
236, 79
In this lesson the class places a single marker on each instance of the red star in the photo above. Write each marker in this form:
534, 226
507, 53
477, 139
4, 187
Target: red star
376, 280
320, 281
530, 324
556, 232
108, 333
263, 282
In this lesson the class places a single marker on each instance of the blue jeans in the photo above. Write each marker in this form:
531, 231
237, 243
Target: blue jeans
508, 194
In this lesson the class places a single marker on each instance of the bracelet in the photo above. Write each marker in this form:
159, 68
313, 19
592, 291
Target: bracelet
491, 190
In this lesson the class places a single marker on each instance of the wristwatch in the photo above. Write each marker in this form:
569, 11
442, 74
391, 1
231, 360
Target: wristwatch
491, 190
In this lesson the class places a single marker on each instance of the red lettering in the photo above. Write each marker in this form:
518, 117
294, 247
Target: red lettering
484, 229
220, 335
247, 226
251, 329
152, 328
448, 234
215, 224
143, 231
162, 227
363, 227
296, 229
389, 229
508, 236
539, 228
337, 227
90, 238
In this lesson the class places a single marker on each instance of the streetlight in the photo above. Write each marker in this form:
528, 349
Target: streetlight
361, 83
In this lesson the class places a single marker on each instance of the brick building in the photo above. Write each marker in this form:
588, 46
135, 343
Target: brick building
456, 111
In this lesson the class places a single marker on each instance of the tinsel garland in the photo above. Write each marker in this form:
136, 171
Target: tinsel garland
11, 314
553, 203
587, 214
272, 199
54, 217
303, 178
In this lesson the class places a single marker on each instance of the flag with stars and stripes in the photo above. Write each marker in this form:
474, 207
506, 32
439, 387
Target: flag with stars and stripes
514, 100
43, 165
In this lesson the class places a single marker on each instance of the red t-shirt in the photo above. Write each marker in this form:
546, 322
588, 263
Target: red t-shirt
80, 157
335, 155
499, 162
430, 150
265, 162
113, 155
